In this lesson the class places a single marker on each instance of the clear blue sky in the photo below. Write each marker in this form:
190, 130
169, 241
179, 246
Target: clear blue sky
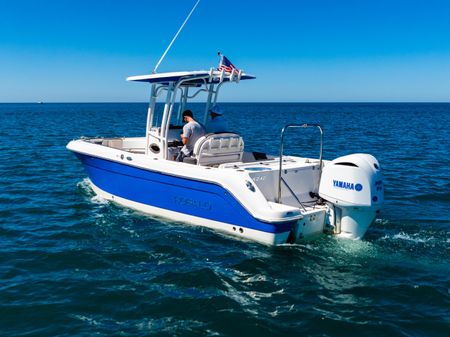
300, 50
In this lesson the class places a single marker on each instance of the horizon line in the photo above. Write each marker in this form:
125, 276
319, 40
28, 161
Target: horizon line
237, 102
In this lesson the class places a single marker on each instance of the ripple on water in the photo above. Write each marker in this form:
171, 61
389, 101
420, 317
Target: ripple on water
72, 263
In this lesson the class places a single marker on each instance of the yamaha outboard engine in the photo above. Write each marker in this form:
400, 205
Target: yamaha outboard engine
353, 188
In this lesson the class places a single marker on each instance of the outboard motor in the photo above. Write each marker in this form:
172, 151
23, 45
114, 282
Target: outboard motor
353, 187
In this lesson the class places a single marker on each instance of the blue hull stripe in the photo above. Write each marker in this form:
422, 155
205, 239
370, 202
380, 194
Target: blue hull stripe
187, 196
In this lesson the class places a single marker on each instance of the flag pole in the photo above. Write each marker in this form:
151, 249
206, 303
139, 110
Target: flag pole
176, 35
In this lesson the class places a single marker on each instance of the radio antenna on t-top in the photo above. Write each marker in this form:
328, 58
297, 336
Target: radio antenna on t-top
176, 35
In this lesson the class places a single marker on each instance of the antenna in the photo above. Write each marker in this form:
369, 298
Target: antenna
176, 35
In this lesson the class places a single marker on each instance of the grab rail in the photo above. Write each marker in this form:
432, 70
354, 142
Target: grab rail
305, 125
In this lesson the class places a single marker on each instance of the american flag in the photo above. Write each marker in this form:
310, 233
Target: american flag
226, 65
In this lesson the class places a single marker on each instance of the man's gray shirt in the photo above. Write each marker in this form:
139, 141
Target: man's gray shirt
193, 131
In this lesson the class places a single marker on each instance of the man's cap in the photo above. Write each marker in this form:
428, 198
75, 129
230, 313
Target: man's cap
188, 113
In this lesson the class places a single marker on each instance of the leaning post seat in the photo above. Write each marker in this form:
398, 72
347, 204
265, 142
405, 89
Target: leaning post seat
219, 148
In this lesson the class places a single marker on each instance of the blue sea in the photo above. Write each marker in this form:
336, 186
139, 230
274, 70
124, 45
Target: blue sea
73, 264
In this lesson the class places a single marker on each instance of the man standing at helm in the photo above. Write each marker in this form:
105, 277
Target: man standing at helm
217, 123
192, 131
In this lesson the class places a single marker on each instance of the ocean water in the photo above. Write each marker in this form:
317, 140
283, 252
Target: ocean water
73, 264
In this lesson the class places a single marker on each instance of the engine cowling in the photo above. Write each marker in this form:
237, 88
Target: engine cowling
353, 186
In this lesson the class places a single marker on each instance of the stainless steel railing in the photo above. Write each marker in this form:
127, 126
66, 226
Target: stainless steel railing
305, 125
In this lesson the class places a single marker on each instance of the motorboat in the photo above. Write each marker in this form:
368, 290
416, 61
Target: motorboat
269, 198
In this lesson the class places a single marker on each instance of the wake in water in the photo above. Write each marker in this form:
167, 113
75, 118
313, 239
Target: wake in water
85, 187
383, 235
415, 238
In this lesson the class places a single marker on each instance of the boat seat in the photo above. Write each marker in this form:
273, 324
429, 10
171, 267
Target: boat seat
115, 143
218, 148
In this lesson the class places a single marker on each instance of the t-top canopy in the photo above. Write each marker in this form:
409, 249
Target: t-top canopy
192, 77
